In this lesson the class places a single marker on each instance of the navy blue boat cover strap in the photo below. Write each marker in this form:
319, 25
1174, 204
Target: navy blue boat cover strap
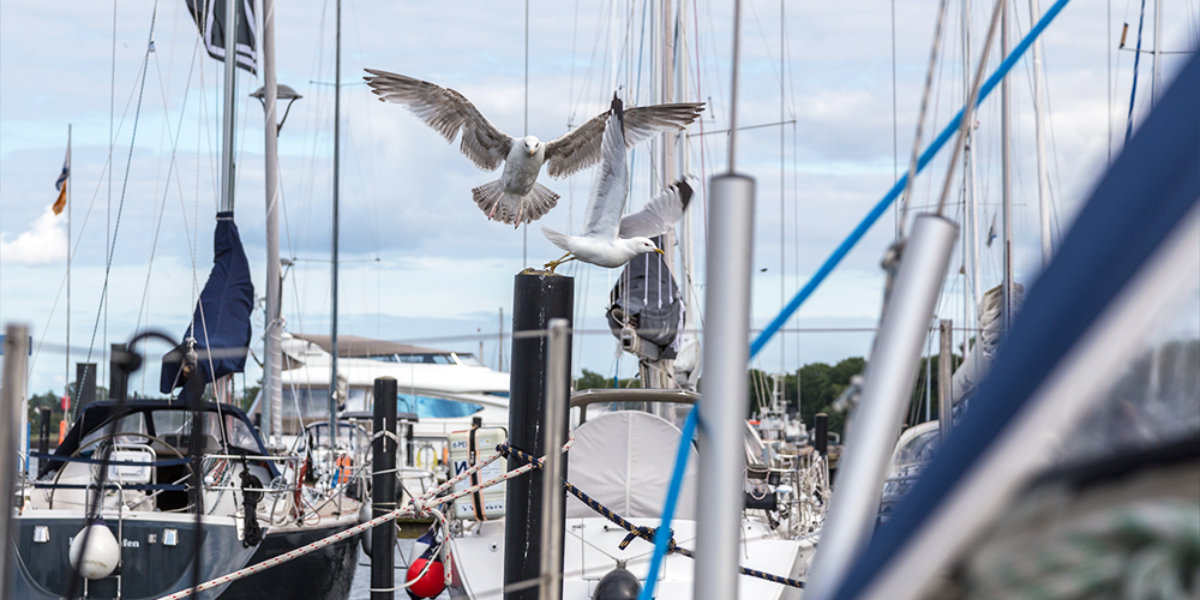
1149, 189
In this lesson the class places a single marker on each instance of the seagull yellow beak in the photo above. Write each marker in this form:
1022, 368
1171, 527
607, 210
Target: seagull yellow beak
532, 151
659, 250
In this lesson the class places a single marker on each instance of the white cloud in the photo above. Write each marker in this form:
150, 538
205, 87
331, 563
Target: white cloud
44, 242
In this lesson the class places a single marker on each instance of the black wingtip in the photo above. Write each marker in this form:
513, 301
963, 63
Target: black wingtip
685, 192
618, 108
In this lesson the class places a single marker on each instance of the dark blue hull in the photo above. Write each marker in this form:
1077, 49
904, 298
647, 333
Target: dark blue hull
322, 575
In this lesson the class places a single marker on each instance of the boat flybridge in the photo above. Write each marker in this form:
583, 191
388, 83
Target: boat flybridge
441, 391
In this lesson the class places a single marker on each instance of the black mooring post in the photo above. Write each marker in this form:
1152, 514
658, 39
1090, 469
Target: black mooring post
118, 379
44, 433
383, 485
537, 298
821, 434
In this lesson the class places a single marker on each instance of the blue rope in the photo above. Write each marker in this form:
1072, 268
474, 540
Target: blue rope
662, 535
876, 212
1137, 55
660, 545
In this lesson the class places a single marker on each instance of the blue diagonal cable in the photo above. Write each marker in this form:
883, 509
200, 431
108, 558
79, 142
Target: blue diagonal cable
1137, 54
888, 198
662, 535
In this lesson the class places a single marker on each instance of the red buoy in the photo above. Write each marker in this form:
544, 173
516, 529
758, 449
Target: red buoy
432, 583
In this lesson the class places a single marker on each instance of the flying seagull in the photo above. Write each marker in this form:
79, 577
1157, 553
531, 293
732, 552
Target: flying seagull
608, 239
516, 197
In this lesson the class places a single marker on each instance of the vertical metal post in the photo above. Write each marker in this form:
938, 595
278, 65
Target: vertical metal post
557, 377
1035, 12
725, 399
537, 298
945, 373
16, 351
890, 376
1005, 179
333, 282
227, 122
383, 486
273, 338
118, 379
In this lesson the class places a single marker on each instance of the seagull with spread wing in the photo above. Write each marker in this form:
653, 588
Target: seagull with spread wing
517, 197
608, 239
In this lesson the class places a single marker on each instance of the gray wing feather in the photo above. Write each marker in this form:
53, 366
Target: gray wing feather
447, 112
580, 148
660, 214
611, 184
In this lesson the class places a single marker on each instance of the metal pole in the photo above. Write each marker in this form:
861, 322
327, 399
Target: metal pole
273, 338
231, 31
945, 373
724, 403
16, 351
383, 485
552, 496
537, 298
1039, 114
333, 283
1005, 177
876, 421
67, 352
1157, 73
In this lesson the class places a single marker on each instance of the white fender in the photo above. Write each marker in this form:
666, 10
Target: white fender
102, 555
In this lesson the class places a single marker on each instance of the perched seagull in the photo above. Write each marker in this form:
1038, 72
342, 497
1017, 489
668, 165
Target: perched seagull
609, 240
517, 197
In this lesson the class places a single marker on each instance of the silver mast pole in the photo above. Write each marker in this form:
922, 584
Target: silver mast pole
1039, 113
227, 123
1157, 52
333, 284
273, 356
1005, 178
724, 402
723, 405
67, 353
558, 349
12, 393
876, 421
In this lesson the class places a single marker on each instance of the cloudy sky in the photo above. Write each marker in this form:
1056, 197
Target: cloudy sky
421, 263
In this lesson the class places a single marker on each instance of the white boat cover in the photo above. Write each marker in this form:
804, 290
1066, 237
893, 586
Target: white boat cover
624, 461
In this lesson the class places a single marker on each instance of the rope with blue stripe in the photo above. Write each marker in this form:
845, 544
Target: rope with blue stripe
636, 531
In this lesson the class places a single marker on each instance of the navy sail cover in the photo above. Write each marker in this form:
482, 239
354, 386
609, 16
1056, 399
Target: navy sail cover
222, 317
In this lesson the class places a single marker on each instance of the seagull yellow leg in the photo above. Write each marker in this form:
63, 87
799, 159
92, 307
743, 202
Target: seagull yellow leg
554, 263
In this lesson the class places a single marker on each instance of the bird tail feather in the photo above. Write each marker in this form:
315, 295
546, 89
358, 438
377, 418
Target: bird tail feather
536, 203
556, 238
488, 197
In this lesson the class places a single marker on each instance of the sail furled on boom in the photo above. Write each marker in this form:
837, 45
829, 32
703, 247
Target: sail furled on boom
209, 16
647, 301
219, 331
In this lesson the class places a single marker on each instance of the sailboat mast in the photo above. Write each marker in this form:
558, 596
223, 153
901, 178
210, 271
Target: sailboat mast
231, 30
333, 283
67, 354
1157, 52
1005, 175
1039, 133
273, 354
